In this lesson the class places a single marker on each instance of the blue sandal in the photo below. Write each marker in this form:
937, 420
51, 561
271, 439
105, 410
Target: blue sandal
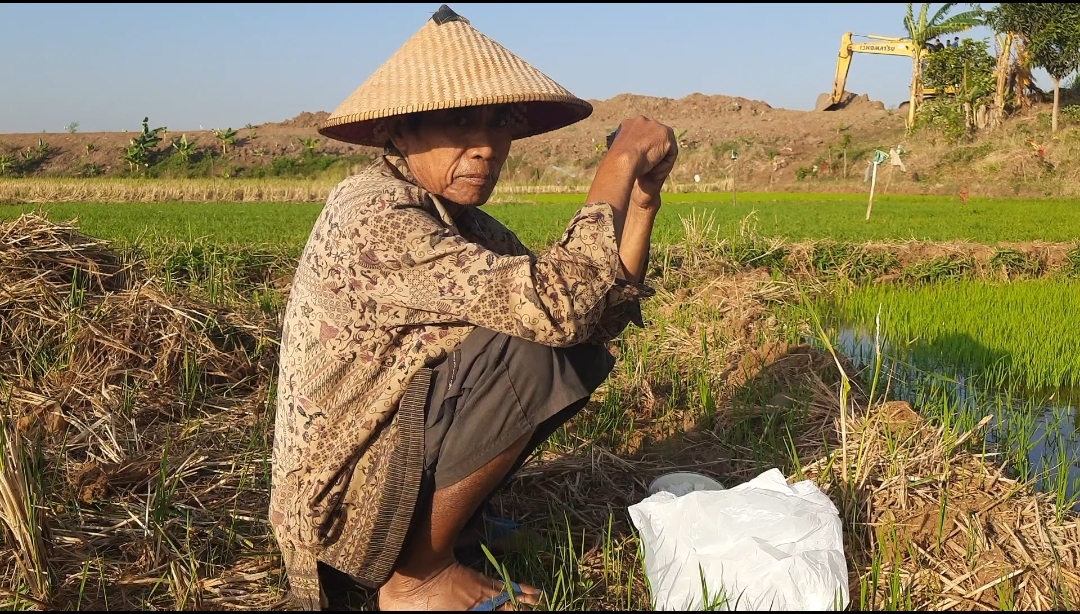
498, 528
499, 600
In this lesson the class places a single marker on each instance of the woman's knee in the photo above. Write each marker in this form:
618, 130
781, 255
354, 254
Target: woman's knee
584, 365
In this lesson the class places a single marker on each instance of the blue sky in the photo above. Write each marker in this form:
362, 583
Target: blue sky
217, 65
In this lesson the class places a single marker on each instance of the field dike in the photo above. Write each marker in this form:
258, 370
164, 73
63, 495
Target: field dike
134, 190
137, 423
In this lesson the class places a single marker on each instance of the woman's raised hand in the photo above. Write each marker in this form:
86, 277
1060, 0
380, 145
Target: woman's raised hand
652, 149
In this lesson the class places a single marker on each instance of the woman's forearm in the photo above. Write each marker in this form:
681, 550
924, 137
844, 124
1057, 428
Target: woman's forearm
634, 242
614, 184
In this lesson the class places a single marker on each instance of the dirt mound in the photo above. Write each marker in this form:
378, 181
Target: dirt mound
306, 119
693, 108
772, 142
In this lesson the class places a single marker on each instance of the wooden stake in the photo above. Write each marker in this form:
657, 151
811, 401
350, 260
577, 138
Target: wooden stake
734, 195
873, 181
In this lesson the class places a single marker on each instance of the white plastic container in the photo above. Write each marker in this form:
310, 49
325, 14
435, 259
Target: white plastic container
683, 482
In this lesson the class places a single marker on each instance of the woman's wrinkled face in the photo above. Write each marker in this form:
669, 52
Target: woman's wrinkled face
456, 153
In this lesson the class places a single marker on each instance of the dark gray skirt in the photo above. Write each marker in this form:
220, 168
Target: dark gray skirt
494, 389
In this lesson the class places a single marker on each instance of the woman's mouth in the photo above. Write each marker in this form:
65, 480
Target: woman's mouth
477, 180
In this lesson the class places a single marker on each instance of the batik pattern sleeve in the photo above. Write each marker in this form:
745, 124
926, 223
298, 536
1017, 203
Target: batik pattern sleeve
623, 301
414, 266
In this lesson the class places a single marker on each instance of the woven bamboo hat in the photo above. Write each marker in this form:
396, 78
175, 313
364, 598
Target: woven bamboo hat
449, 64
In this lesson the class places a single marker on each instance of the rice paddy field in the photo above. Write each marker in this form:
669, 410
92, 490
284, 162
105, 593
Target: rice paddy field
921, 368
538, 219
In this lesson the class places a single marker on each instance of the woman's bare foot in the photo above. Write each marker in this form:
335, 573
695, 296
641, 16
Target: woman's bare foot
455, 587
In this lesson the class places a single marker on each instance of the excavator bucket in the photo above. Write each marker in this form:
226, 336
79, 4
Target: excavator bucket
825, 102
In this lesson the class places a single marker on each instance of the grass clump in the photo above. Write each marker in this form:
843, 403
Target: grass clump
1011, 263
942, 269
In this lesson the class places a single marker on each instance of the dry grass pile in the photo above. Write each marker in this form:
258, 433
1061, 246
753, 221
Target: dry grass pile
934, 525
146, 433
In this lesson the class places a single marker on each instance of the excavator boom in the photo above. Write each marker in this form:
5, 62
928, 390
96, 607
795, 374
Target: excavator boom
882, 45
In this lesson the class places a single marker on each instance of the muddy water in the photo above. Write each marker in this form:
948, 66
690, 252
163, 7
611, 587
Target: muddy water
1035, 429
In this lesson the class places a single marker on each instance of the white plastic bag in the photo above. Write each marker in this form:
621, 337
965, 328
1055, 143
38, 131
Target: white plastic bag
762, 545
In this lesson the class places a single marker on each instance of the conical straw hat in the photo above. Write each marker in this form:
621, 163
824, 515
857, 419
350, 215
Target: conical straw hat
449, 64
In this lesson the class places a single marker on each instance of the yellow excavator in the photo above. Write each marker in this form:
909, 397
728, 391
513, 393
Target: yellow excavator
879, 45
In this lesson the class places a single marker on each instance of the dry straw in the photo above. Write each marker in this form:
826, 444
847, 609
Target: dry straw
149, 414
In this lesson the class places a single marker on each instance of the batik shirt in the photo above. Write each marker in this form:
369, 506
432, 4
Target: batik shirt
387, 285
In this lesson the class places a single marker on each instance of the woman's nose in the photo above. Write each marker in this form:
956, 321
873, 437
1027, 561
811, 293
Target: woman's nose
482, 149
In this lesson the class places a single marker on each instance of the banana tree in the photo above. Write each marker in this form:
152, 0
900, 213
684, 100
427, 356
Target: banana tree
6, 162
924, 29
309, 146
227, 137
1052, 38
149, 139
1013, 71
135, 156
183, 148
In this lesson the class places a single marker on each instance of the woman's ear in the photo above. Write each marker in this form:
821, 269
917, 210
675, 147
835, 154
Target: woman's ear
392, 129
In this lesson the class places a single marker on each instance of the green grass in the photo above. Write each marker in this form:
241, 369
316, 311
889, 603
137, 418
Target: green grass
833, 216
277, 224
1017, 333
540, 220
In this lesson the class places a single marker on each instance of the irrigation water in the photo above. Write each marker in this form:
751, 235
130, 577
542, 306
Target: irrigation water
1034, 431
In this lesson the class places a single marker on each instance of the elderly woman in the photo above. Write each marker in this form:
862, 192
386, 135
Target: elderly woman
425, 351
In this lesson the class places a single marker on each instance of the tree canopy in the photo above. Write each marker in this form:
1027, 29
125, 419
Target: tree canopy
1052, 34
1052, 30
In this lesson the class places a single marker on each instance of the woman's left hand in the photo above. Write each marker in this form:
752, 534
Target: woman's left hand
646, 192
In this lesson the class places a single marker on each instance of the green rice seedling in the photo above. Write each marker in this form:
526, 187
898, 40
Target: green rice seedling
713, 600
570, 586
1013, 263
1007, 332
898, 595
190, 380
868, 583
938, 270
1073, 258
164, 493
1006, 594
